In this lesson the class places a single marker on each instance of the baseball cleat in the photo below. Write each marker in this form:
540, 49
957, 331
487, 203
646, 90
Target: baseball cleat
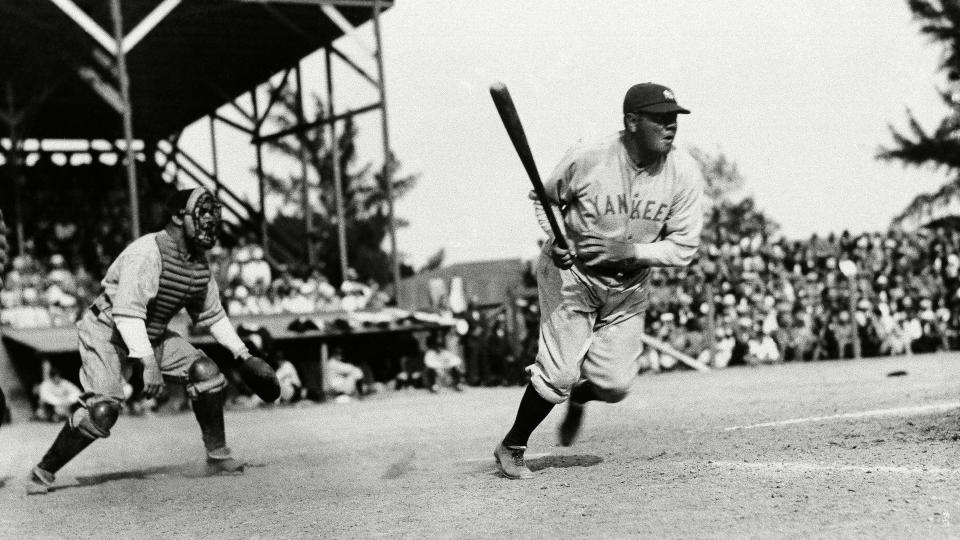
220, 461
510, 462
39, 482
224, 466
570, 426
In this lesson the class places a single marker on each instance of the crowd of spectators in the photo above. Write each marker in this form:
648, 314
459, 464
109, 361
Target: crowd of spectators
250, 286
747, 300
825, 298
42, 293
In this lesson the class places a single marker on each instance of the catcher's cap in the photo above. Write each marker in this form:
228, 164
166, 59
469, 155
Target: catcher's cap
651, 97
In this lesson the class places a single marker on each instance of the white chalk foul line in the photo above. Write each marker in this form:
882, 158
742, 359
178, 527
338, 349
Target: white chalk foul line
801, 467
900, 411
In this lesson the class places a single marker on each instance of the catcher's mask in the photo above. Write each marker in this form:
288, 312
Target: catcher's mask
200, 213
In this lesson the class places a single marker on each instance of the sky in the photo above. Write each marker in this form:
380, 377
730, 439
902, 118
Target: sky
798, 93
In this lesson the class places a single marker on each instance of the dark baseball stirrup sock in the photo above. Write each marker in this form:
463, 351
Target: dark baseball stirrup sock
208, 408
533, 409
583, 392
66, 446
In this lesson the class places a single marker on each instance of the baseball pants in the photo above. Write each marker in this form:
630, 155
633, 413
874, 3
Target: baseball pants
588, 330
103, 355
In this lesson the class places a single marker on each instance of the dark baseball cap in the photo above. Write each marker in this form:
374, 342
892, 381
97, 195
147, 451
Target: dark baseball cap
651, 97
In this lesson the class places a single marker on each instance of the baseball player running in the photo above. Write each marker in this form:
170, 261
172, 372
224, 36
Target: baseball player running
151, 281
627, 202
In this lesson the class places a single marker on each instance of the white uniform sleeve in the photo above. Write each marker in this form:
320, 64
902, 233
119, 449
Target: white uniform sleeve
133, 330
223, 332
542, 217
681, 231
558, 189
211, 311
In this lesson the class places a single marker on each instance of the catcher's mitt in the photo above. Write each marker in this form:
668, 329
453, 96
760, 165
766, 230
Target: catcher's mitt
260, 377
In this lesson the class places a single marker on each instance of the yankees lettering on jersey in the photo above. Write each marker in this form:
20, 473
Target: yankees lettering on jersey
636, 209
601, 190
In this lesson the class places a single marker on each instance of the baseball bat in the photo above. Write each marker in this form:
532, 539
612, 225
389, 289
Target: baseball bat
511, 121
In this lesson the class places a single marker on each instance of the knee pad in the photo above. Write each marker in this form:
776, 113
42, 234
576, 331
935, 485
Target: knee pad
204, 377
95, 416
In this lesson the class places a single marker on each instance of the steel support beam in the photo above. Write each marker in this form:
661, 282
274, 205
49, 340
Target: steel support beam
148, 23
337, 172
360, 71
215, 172
264, 233
314, 124
117, 17
115, 45
275, 95
235, 125
387, 153
340, 3
344, 25
14, 158
305, 171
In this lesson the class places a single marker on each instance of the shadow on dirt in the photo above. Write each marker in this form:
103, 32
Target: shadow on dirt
185, 470
399, 468
563, 462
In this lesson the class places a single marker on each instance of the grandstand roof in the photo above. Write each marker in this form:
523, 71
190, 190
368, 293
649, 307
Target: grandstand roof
203, 54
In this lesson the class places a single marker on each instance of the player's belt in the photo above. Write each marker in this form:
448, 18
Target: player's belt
99, 306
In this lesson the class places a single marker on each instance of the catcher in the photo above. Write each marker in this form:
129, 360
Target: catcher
151, 281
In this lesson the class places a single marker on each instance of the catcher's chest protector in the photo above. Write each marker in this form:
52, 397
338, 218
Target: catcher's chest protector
183, 283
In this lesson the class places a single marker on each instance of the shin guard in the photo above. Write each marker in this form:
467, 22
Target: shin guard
208, 408
66, 446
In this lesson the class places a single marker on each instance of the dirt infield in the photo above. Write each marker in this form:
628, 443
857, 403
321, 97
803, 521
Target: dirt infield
833, 449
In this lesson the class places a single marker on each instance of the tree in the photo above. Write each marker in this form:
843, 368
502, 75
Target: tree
721, 174
730, 213
940, 21
366, 205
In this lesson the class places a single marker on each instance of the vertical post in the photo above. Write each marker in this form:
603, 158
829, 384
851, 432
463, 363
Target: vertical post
853, 314
305, 171
213, 156
263, 199
387, 154
337, 172
711, 320
117, 16
15, 158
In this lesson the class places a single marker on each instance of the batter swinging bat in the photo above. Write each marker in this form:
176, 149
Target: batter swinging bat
511, 121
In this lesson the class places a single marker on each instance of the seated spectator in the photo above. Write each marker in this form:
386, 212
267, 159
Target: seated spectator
723, 349
241, 302
355, 294
27, 312
59, 274
250, 267
762, 348
442, 366
56, 396
291, 389
343, 379
407, 352
843, 329
300, 301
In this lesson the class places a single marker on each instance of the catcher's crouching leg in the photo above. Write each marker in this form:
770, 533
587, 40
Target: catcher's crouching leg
205, 388
91, 420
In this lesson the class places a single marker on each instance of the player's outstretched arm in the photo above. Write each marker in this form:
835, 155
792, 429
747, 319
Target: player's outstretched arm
254, 371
